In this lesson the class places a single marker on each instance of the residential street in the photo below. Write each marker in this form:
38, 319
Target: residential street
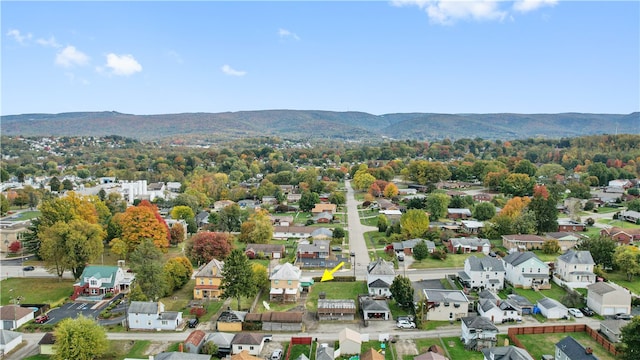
357, 242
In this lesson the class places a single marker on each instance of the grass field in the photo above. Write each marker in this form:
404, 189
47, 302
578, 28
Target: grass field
179, 301
452, 261
546, 257
376, 345
619, 223
538, 345
456, 350
556, 292
620, 278
335, 290
35, 291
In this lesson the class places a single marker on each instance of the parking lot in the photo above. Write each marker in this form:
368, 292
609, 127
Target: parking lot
75, 309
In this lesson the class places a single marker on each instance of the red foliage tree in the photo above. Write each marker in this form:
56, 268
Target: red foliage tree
540, 191
15, 246
208, 245
197, 311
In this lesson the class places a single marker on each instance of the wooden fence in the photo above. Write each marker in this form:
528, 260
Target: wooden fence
533, 330
298, 341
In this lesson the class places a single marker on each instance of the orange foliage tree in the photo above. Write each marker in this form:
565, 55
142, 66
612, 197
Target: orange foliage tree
139, 223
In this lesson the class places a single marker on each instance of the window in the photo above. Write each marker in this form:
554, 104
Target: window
275, 282
538, 269
250, 347
210, 281
487, 276
165, 322
93, 282
522, 269
289, 282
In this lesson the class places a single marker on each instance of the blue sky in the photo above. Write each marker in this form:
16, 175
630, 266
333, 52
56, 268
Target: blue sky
155, 57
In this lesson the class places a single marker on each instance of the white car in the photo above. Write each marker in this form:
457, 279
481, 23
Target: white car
576, 312
405, 324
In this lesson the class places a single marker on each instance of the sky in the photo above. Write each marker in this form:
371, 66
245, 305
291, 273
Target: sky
379, 57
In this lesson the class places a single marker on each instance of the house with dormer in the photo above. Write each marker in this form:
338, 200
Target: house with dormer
208, 281
498, 310
525, 270
143, 315
380, 275
98, 280
575, 267
478, 333
483, 273
285, 283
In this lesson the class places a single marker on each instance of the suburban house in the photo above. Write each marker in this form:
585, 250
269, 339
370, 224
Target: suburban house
97, 280
569, 349
271, 251
522, 242
620, 235
478, 333
319, 249
380, 275
14, 316
281, 220
143, 315
620, 183
407, 191
324, 217
467, 245
208, 281
483, 197
519, 301
406, 246
285, 283
350, 342
374, 309
176, 355
630, 216
385, 204
292, 232
552, 309
222, 340
483, 273
567, 240
575, 268
12, 231
194, 341
221, 204
202, 218
320, 208
322, 233
325, 352
608, 299
336, 309
498, 311
252, 342
525, 270
506, 353
570, 225
445, 305
471, 226
612, 329
9, 340
455, 214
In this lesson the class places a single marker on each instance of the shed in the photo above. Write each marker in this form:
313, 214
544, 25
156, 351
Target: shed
194, 341
552, 309
336, 309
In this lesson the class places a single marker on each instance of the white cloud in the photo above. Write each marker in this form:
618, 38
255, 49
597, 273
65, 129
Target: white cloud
70, 56
530, 5
17, 36
447, 12
231, 71
50, 42
124, 65
284, 33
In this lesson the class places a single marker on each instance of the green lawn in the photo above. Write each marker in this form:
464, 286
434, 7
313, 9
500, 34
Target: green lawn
38, 357
538, 345
297, 350
376, 345
619, 223
546, 257
335, 290
456, 350
35, 291
179, 301
620, 278
452, 261
273, 306
556, 292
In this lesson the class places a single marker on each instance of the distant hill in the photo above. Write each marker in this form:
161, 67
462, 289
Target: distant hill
314, 124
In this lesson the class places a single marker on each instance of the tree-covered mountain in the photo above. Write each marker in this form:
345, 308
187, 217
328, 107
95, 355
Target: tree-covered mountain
314, 124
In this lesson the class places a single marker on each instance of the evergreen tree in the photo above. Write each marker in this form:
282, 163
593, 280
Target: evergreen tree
238, 280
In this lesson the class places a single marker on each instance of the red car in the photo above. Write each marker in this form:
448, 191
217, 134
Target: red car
42, 319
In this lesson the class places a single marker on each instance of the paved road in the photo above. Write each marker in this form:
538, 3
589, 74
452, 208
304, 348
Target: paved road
357, 244
13, 271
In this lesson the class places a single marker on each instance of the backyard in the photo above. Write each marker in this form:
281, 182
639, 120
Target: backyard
452, 261
538, 345
35, 291
334, 290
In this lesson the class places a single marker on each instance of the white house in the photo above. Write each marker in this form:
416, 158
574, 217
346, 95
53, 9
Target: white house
143, 315
612, 329
575, 268
483, 273
14, 316
252, 342
350, 341
552, 309
445, 305
505, 353
498, 311
478, 333
525, 270
608, 299
9, 340
467, 245
380, 275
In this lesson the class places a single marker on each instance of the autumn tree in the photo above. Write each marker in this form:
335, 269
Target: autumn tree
390, 191
15, 247
627, 258
362, 180
139, 223
261, 277
80, 339
518, 185
374, 190
551, 246
544, 207
414, 223
177, 272
207, 245
182, 212
425, 172
146, 263
238, 280
257, 229
177, 233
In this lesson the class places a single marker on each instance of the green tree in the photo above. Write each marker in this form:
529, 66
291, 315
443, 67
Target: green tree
402, 292
55, 184
136, 293
4, 205
338, 233
484, 211
634, 205
308, 201
629, 346
544, 207
551, 246
437, 205
414, 223
182, 212
627, 258
383, 223
338, 198
525, 167
209, 348
237, 278
146, 263
261, 277
79, 339
425, 172
362, 180
230, 218
420, 251
601, 248
518, 185
67, 184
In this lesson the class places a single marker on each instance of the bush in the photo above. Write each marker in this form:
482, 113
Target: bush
589, 205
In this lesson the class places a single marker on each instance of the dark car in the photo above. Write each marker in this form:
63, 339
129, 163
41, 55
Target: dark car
193, 322
28, 268
587, 312
622, 316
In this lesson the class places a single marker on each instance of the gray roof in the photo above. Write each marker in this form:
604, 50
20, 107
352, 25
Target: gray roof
520, 300
286, 271
379, 283
143, 307
614, 325
410, 244
381, 267
517, 258
324, 353
212, 269
439, 295
577, 257
479, 322
6, 336
463, 241
485, 264
322, 231
506, 353
487, 294
574, 350
248, 338
374, 305
549, 303
181, 356
601, 288
169, 315
222, 339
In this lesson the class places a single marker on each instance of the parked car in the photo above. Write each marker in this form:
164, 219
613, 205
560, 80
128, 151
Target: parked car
622, 316
28, 268
336, 248
405, 324
576, 313
276, 355
193, 322
587, 312
42, 319
400, 257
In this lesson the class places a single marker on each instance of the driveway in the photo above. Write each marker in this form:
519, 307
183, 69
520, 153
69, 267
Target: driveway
357, 244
